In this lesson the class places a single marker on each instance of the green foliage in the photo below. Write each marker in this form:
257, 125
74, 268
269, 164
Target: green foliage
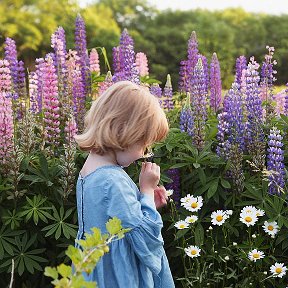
84, 259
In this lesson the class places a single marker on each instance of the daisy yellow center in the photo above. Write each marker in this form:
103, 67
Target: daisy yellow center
278, 270
270, 227
256, 255
219, 218
194, 205
248, 219
182, 225
191, 220
193, 252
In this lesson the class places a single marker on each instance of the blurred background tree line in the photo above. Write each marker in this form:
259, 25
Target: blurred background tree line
162, 35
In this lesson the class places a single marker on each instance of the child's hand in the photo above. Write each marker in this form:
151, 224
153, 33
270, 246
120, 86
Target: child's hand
160, 196
149, 177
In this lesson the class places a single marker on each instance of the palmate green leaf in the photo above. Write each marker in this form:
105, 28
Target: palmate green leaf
11, 218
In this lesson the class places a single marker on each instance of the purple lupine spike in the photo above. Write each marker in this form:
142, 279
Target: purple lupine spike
156, 90
223, 147
267, 76
39, 72
241, 64
167, 94
81, 48
275, 162
205, 70
50, 103
253, 103
116, 59
142, 64
286, 101
5, 78
94, 62
11, 57
70, 130
33, 92
192, 51
234, 108
174, 175
215, 84
186, 117
58, 43
199, 104
183, 77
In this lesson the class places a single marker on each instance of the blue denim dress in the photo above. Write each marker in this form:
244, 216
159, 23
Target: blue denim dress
138, 260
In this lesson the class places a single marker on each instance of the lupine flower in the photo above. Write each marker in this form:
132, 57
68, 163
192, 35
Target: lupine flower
255, 255
116, 60
156, 90
280, 99
223, 147
186, 117
184, 82
33, 92
70, 129
218, 217
167, 94
6, 124
267, 76
103, 86
271, 228
174, 175
39, 75
206, 72
58, 43
278, 270
215, 84
81, 48
241, 64
142, 64
94, 61
286, 101
191, 219
181, 225
275, 162
5, 78
192, 55
199, 104
50, 103
192, 251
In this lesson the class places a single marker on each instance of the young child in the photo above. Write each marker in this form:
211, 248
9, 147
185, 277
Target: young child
120, 125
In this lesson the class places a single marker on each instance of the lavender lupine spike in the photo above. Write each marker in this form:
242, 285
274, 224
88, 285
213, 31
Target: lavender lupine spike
183, 77
142, 64
186, 117
33, 92
254, 130
81, 48
50, 103
223, 147
70, 129
39, 72
199, 105
192, 52
174, 175
167, 94
286, 101
58, 43
275, 162
215, 84
94, 62
5, 78
206, 71
241, 64
6, 129
116, 59
156, 90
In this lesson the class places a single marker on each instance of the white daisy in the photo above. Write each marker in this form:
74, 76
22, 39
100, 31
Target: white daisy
169, 192
278, 270
271, 228
260, 212
248, 218
193, 204
255, 255
218, 217
192, 251
186, 199
229, 212
249, 209
181, 225
191, 219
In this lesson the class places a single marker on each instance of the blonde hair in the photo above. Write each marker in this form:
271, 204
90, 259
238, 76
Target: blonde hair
125, 114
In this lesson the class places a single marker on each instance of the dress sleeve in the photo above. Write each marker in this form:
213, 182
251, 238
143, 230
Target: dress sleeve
141, 216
